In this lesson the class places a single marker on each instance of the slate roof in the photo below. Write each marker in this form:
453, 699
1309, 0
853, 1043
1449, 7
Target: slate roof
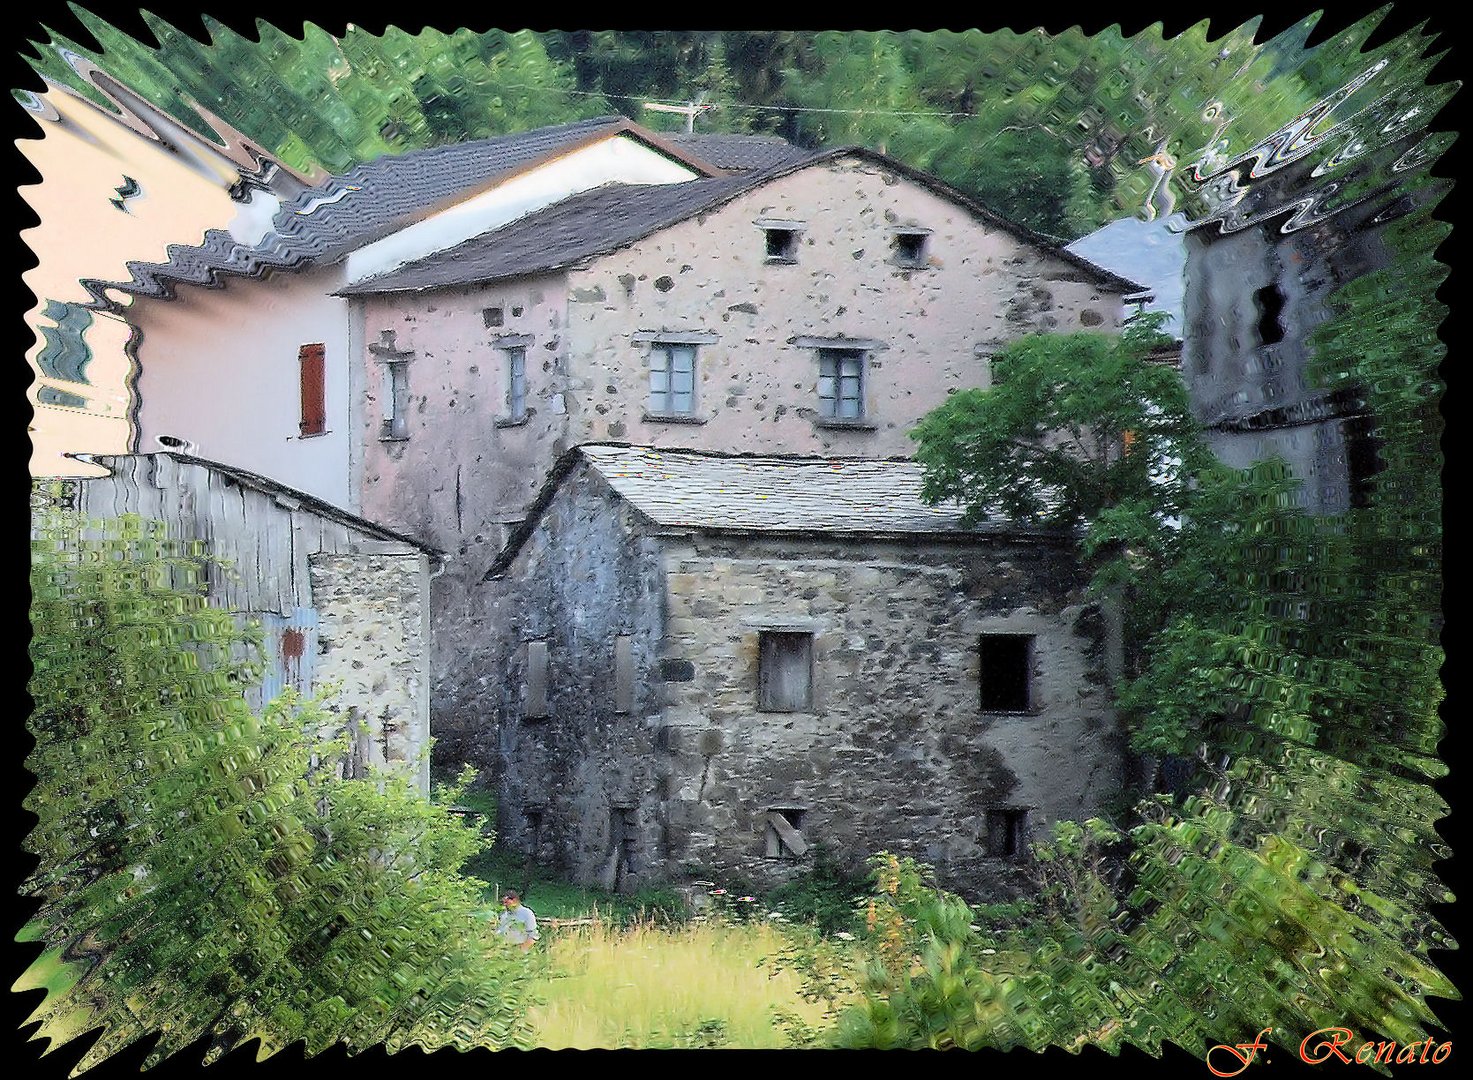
736, 153
748, 493
1149, 250
342, 213
604, 219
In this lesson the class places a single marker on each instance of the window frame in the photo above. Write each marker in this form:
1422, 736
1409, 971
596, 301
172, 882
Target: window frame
395, 401
920, 260
767, 699
837, 356
516, 404
988, 705
668, 350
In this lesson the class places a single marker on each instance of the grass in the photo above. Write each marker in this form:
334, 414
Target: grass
646, 987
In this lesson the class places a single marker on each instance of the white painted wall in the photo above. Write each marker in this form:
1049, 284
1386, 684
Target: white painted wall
618, 158
219, 368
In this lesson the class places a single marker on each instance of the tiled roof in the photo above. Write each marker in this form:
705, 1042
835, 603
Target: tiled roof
736, 153
1152, 251
602, 220
344, 212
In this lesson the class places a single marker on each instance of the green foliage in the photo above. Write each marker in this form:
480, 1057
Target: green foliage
827, 895
1047, 441
203, 869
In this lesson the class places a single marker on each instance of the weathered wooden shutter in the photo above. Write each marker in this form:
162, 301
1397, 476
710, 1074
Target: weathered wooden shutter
314, 390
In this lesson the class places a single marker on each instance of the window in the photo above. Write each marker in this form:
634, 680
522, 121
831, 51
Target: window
623, 674
910, 248
313, 378
623, 834
1007, 666
66, 354
396, 400
534, 827
785, 671
1270, 302
1007, 832
784, 836
782, 245
516, 383
841, 384
672, 379
536, 680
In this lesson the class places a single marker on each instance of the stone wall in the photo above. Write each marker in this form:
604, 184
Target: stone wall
896, 751
372, 649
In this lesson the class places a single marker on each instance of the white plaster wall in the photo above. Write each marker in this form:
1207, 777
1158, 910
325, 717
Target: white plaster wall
219, 368
615, 159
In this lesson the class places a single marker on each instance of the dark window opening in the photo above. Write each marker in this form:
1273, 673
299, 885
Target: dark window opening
785, 838
1270, 302
785, 671
492, 316
622, 836
910, 249
1007, 832
534, 827
1006, 672
313, 372
782, 244
1362, 458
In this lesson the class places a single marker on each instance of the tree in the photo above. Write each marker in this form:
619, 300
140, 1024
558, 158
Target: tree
203, 871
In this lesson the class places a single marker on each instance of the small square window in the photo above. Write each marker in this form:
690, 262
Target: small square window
785, 671
910, 248
1007, 672
785, 838
516, 383
782, 245
841, 384
673, 379
493, 316
1007, 832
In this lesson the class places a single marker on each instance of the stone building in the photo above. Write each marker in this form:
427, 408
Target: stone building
341, 602
819, 306
719, 662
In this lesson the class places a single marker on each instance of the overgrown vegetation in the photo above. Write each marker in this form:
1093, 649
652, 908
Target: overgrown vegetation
203, 870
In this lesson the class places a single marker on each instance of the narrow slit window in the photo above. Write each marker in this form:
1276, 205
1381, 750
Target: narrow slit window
1007, 667
516, 383
623, 835
623, 674
396, 400
785, 671
673, 379
536, 679
534, 827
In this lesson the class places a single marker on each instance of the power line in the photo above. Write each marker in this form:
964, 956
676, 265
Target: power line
736, 105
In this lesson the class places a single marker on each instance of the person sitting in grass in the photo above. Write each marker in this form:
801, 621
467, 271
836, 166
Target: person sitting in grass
517, 923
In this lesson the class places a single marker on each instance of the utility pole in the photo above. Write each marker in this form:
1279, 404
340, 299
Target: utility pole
688, 110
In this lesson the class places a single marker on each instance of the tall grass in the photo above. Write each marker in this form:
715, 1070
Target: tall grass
693, 986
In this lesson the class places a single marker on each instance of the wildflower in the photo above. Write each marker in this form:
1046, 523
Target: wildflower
718, 892
989, 952
775, 915
844, 935
746, 899
704, 884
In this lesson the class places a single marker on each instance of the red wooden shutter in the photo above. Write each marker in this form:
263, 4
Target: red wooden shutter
314, 390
